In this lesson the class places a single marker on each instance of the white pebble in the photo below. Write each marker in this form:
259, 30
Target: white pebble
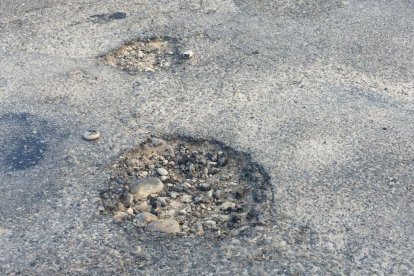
162, 171
91, 135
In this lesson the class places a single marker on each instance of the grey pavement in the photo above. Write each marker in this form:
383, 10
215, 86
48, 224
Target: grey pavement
321, 93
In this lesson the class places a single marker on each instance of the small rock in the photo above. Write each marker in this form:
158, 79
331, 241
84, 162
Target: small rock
120, 207
140, 54
144, 174
186, 198
173, 195
210, 224
169, 226
127, 199
141, 207
132, 163
95, 199
209, 194
120, 216
227, 206
143, 219
130, 211
169, 151
164, 177
162, 171
197, 199
142, 188
204, 187
156, 142
198, 228
91, 135
223, 218
188, 54
222, 161
162, 201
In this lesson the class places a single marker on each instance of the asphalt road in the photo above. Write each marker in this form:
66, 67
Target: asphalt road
320, 93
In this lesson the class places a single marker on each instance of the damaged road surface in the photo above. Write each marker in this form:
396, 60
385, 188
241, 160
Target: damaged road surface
235, 137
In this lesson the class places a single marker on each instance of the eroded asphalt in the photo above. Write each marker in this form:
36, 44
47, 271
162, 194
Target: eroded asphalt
320, 93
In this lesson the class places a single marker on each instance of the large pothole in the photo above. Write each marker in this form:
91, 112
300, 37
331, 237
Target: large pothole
188, 187
146, 55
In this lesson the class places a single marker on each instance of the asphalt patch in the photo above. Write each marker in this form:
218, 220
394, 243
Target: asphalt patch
108, 17
24, 140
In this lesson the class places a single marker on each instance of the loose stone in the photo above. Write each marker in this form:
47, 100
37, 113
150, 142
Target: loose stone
142, 188
210, 223
186, 198
169, 226
132, 163
120, 216
162, 171
141, 207
227, 205
142, 219
127, 199
91, 135
164, 177
198, 228
188, 54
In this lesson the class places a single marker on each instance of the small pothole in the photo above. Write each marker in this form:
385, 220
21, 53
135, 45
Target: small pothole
146, 55
189, 187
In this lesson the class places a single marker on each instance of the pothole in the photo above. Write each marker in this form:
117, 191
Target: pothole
188, 187
147, 55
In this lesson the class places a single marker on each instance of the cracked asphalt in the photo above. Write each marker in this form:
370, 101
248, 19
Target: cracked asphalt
320, 93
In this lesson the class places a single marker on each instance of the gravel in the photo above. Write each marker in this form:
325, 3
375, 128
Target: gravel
222, 200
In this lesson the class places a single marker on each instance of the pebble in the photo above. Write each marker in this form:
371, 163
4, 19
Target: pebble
162, 171
132, 163
198, 228
164, 177
173, 195
197, 199
130, 211
156, 142
120, 216
120, 207
143, 219
210, 223
144, 174
188, 54
169, 226
142, 188
227, 205
95, 199
127, 199
169, 151
91, 135
204, 187
186, 198
141, 207
162, 201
